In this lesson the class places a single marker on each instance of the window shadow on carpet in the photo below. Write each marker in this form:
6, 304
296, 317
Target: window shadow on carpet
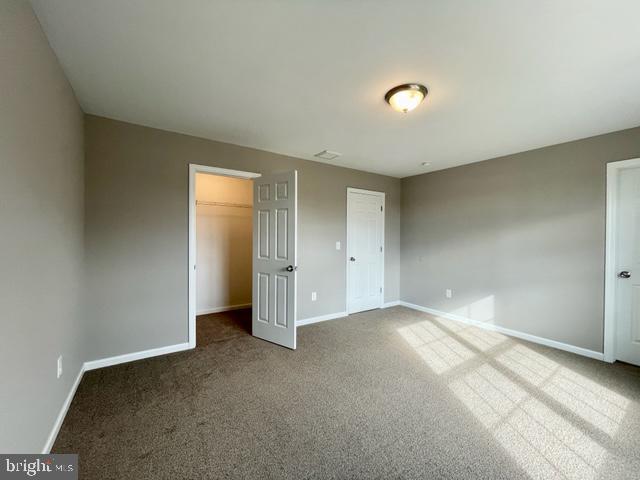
555, 422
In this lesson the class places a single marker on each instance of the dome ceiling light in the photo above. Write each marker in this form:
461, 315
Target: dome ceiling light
405, 98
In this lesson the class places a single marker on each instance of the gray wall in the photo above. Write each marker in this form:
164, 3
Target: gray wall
137, 239
519, 239
41, 232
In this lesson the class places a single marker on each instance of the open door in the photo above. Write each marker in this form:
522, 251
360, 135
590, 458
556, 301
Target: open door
275, 214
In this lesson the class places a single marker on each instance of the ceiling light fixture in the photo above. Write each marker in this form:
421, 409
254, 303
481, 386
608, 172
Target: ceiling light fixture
405, 98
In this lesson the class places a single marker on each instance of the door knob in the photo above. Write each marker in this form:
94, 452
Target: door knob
352, 259
291, 268
624, 274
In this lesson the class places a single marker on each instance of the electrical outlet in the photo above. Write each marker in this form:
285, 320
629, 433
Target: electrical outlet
338, 246
314, 296
448, 293
59, 366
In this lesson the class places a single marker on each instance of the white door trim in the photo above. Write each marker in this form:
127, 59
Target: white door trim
346, 251
613, 173
193, 169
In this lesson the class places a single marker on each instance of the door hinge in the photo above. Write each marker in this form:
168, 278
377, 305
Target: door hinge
380, 289
380, 207
380, 249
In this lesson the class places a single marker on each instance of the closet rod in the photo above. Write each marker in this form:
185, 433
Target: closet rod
224, 204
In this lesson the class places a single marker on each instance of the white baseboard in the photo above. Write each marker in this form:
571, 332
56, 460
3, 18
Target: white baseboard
63, 413
333, 316
321, 318
130, 357
206, 311
506, 331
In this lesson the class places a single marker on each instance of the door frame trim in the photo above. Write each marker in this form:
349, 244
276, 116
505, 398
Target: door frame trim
191, 266
346, 251
610, 283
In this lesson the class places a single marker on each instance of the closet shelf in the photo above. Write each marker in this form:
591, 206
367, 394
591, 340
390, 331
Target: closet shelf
224, 204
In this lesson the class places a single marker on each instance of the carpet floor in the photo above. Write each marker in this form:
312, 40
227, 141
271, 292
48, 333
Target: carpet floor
384, 394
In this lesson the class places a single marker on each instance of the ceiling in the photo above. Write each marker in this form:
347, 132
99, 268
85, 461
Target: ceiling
301, 76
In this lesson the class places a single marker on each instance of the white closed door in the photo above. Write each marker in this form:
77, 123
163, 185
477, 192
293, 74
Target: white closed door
274, 258
628, 267
365, 250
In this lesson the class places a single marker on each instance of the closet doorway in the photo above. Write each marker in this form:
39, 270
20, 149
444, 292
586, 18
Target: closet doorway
221, 237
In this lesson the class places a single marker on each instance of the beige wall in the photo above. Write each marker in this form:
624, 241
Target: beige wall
519, 239
137, 239
41, 232
223, 242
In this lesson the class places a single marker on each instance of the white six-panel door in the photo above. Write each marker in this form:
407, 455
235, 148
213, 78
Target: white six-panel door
274, 258
628, 267
365, 250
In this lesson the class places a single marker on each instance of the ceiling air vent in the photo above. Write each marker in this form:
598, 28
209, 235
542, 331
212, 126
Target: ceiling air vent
327, 155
